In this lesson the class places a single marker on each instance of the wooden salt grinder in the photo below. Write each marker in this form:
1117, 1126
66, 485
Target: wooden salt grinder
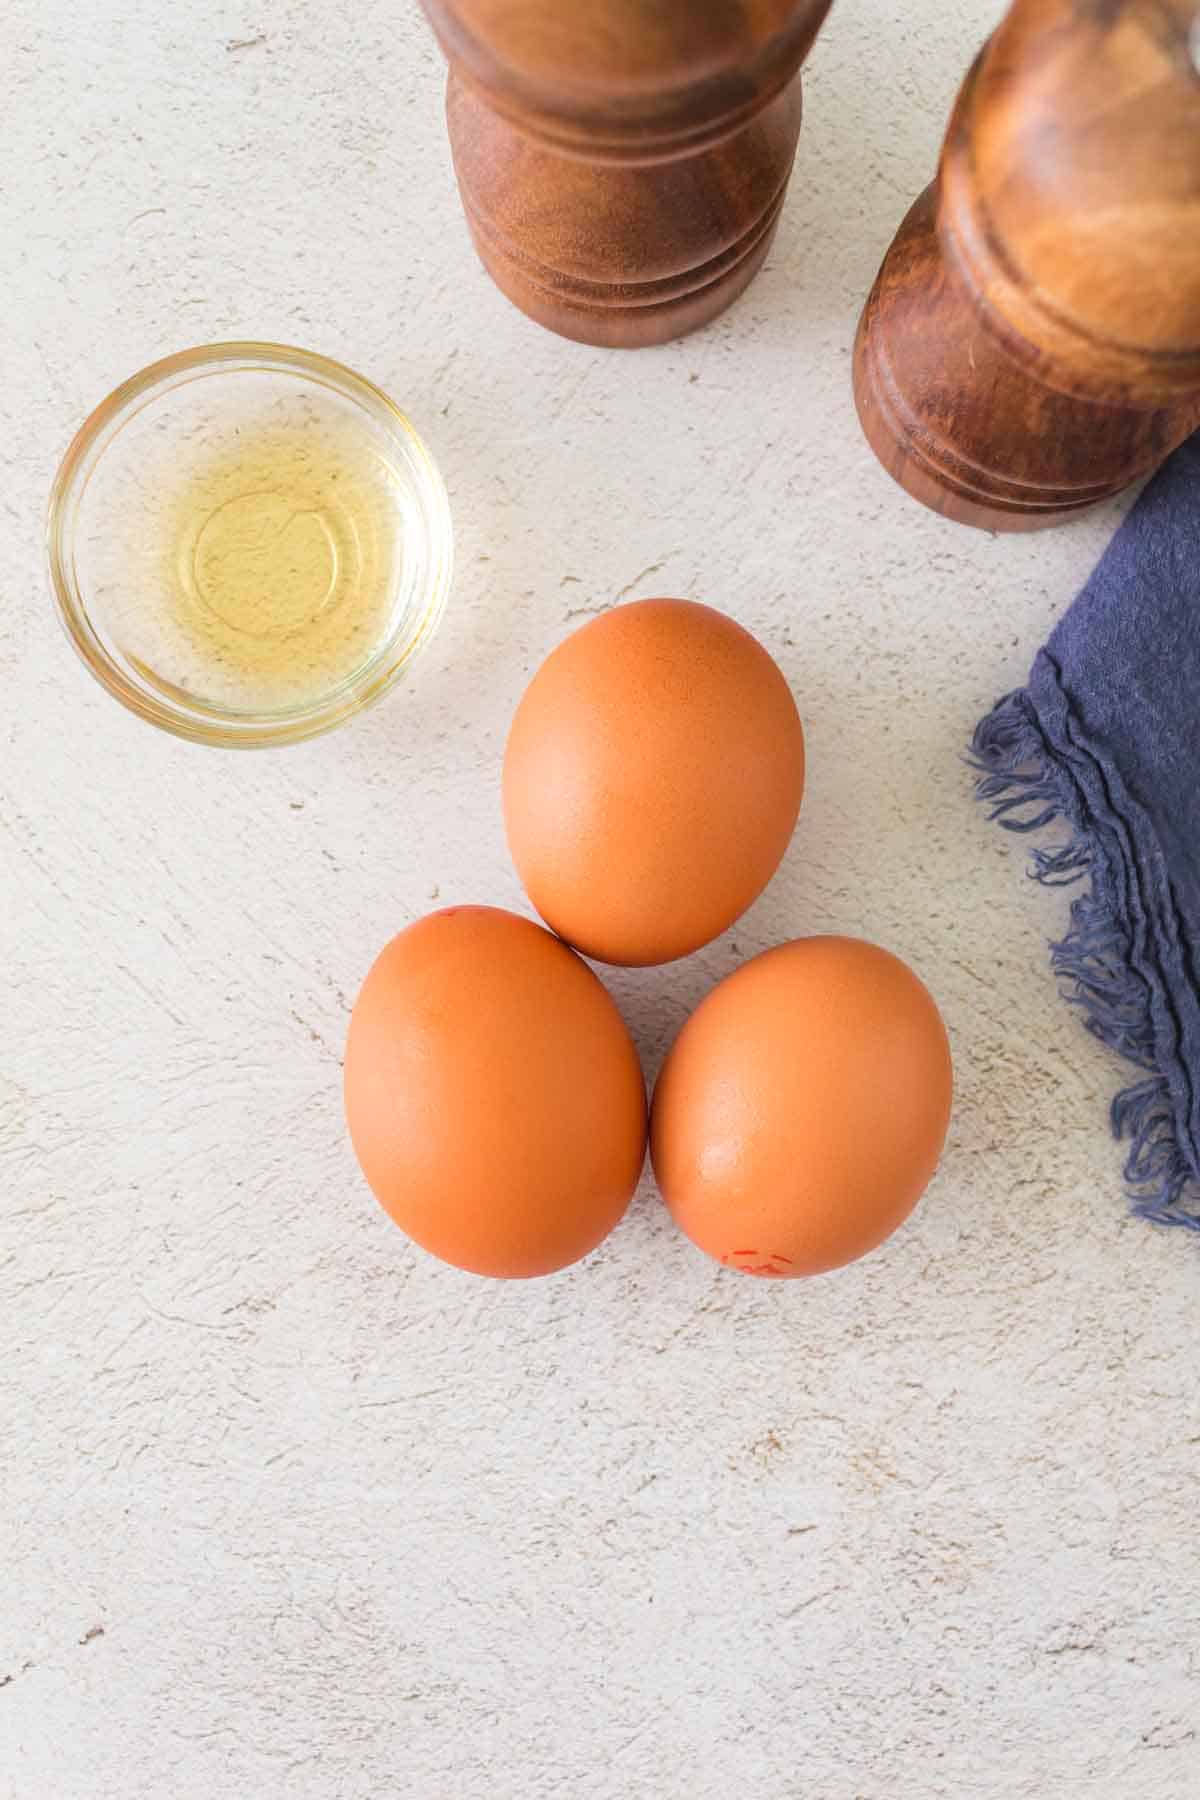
623, 163
1032, 343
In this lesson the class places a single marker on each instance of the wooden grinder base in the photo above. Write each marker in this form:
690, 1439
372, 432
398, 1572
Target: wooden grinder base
1032, 343
560, 236
623, 163
966, 429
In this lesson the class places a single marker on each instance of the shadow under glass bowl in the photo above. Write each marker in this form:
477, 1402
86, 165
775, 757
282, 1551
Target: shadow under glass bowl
248, 544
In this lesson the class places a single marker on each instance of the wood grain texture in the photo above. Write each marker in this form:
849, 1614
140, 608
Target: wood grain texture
622, 167
1032, 342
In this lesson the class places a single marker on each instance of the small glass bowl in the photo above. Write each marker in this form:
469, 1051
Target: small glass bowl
144, 475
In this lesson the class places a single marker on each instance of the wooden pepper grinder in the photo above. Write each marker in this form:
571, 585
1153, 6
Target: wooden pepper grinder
623, 163
1032, 343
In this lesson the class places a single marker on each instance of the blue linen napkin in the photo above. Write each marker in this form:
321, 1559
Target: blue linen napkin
1106, 739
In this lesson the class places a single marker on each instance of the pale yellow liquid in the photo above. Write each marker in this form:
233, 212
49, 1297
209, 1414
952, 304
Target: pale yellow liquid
280, 559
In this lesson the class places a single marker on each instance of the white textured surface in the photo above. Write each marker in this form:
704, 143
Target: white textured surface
287, 1508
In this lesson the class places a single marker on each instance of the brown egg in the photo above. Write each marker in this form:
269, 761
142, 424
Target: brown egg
493, 1095
802, 1110
652, 780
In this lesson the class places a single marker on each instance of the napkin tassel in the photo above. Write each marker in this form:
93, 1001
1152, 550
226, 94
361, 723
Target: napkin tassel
1026, 788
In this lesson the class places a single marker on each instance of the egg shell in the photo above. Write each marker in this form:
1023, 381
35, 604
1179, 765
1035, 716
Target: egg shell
652, 780
493, 1095
802, 1110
